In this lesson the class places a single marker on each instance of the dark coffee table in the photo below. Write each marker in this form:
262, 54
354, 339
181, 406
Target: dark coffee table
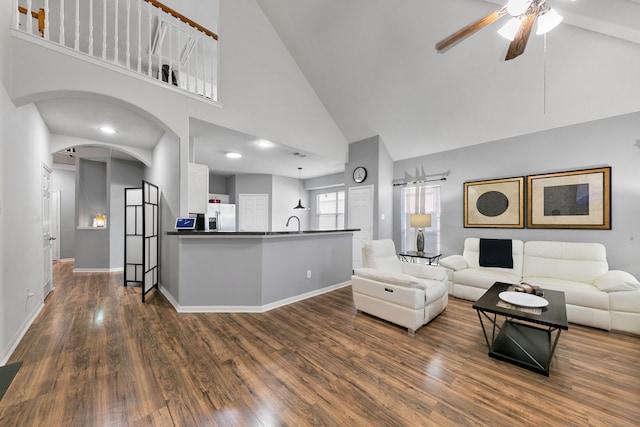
525, 339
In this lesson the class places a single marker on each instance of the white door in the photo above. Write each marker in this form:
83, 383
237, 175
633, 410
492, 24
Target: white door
360, 216
55, 225
253, 212
47, 284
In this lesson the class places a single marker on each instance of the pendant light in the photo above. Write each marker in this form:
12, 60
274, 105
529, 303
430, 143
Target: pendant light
299, 205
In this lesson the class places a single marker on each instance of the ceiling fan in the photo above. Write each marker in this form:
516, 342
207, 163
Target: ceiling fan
523, 14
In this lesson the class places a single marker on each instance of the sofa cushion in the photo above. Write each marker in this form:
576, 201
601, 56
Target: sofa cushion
471, 255
454, 262
625, 301
616, 281
575, 293
424, 271
576, 262
495, 253
398, 279
483, 277
381, 255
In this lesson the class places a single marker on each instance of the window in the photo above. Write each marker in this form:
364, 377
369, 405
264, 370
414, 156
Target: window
330, 212
420, 199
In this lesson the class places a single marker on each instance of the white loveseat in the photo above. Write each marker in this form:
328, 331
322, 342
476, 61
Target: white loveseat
407, 294
595, 296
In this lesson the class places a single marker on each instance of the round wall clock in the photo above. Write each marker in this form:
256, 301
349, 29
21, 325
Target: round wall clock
359, 174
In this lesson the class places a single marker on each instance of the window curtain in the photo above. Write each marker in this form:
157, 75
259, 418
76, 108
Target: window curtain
420, 198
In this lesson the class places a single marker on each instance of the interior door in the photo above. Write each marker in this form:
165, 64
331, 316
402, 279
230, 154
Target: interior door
47, 284
360, 216
253, 212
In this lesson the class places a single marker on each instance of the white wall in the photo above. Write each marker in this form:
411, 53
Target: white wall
613, 142
25, 141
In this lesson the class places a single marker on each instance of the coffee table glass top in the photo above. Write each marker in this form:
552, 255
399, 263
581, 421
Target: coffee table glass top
555, 314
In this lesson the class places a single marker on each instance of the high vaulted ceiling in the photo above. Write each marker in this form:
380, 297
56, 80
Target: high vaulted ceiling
373, 65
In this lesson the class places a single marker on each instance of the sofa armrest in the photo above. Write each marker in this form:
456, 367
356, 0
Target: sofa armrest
454, 262
424, 271
398, 279
617, 280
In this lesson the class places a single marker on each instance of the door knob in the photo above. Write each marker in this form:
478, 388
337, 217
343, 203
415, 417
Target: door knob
52, 238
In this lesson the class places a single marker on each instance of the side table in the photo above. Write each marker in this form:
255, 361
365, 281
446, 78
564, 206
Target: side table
413, 256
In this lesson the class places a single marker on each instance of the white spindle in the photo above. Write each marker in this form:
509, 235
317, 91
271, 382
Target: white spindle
179, 60
139, 37
149, 14
62, 41
46, 19
76, 43
215, 69
196, 74
104, 30
116, 32
29, 20
128, 34
91, 27
169, 79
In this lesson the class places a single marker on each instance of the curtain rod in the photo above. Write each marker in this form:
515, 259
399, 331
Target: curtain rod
402, 182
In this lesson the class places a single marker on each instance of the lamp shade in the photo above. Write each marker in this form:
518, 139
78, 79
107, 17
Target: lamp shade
420, 220
548, 21
510, 29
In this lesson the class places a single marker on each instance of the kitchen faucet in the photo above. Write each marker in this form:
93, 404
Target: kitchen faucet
293, 216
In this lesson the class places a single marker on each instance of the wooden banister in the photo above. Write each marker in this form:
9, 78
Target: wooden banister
39, 15
182, 18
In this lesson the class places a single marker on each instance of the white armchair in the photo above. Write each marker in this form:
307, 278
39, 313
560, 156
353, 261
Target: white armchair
407, 294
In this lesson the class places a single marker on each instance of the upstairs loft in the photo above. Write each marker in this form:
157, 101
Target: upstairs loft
142, 36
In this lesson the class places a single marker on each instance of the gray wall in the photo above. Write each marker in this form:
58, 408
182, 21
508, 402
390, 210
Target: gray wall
613, 142
92, 197
373, 155
217, 184
247, 273
166, 176
124, 174
64, 181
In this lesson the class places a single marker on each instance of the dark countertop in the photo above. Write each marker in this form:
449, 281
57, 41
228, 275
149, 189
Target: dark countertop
187, 233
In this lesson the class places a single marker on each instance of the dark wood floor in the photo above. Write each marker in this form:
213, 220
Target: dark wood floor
97, 356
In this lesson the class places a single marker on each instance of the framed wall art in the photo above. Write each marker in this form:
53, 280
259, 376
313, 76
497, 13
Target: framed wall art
497, 203
575, 199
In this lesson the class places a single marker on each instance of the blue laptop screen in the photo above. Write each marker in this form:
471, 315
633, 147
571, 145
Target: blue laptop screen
185, 223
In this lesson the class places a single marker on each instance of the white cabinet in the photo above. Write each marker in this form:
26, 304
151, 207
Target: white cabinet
198, 188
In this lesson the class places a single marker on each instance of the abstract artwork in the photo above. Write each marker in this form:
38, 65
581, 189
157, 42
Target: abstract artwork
574, 199
496, 203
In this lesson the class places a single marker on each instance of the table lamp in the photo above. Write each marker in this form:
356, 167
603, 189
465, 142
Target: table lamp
420, 221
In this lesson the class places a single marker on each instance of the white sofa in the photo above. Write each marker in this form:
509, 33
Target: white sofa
407, 294
595, 296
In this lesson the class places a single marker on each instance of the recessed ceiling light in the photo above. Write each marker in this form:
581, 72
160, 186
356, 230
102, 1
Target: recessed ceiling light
264, 143
233, 155
108, 130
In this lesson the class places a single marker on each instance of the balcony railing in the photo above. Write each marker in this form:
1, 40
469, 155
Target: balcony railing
143, 36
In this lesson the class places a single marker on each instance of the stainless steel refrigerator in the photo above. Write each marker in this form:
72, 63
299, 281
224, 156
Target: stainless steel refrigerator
221, 217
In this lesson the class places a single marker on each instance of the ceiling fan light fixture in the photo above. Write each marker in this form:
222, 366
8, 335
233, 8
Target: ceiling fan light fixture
547, 21
510, 29
518, 7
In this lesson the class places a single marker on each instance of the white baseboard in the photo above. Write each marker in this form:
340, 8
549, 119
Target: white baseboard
248, 308
6, 354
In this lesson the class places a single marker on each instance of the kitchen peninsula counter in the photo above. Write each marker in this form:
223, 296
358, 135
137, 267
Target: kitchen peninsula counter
256, 271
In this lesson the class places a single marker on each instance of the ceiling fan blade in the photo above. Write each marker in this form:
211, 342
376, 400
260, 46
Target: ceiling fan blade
517, 46
463, 33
